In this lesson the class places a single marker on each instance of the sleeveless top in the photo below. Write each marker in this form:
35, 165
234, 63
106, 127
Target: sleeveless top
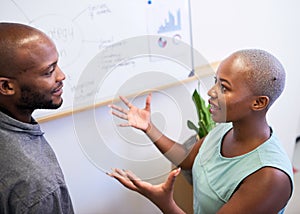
215, 177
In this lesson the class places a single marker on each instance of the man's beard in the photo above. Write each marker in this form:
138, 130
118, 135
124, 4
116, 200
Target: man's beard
32, 100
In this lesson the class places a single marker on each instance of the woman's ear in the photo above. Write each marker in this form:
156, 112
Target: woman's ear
261, 103
6, 86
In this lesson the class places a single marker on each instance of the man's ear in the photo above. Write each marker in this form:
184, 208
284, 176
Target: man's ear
6, 86
261, 103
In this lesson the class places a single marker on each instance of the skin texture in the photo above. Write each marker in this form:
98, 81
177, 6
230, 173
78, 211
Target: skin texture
30, 77
161, 195
265, 191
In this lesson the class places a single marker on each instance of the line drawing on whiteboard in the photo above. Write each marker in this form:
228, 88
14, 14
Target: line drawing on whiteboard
82, 29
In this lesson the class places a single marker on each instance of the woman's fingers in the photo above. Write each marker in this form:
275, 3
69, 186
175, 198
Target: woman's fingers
148, 102
118, 108
127, 103
169, 184
119, 115
119, 112
121, 176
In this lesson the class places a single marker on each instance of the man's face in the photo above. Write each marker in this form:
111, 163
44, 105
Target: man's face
40, 81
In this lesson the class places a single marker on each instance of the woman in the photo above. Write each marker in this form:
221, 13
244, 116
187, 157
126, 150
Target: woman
239, 167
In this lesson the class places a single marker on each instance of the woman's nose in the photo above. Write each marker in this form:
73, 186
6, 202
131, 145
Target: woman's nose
212, 93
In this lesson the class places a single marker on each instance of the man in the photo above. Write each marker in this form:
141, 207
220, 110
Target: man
31, 180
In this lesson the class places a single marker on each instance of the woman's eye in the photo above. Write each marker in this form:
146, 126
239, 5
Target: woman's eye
215, 78
223, 88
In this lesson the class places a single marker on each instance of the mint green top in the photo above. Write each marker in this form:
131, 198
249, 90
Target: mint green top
216, 177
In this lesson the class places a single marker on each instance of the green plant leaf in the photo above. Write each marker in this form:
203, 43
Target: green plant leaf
197, 101
205, 121
192, 126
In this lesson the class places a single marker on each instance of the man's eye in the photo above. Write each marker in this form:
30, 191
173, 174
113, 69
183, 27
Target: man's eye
51, 69
49, 73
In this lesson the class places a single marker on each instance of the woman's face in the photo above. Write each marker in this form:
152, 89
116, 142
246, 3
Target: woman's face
230, 97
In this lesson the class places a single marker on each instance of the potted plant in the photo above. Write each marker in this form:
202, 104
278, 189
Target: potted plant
205, 124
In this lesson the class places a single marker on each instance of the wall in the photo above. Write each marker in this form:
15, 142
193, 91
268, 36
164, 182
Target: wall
220, 27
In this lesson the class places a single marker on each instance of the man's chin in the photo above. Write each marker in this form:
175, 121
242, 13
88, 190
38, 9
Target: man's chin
56, 106
52, 105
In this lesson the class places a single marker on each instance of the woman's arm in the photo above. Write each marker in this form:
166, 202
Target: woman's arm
265, 191
141, 119
161, 195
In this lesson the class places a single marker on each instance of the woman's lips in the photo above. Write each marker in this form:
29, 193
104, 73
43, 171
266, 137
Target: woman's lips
213, 107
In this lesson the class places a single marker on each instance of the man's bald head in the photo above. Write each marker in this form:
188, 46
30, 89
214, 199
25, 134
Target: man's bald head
14, 38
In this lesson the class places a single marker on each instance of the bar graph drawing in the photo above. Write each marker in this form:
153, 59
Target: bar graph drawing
172, 23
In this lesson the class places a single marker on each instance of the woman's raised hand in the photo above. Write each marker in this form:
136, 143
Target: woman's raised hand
136, 117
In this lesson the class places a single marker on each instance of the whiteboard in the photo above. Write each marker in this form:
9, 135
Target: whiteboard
104, 45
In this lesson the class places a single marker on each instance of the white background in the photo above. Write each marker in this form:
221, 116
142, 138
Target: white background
219, 28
